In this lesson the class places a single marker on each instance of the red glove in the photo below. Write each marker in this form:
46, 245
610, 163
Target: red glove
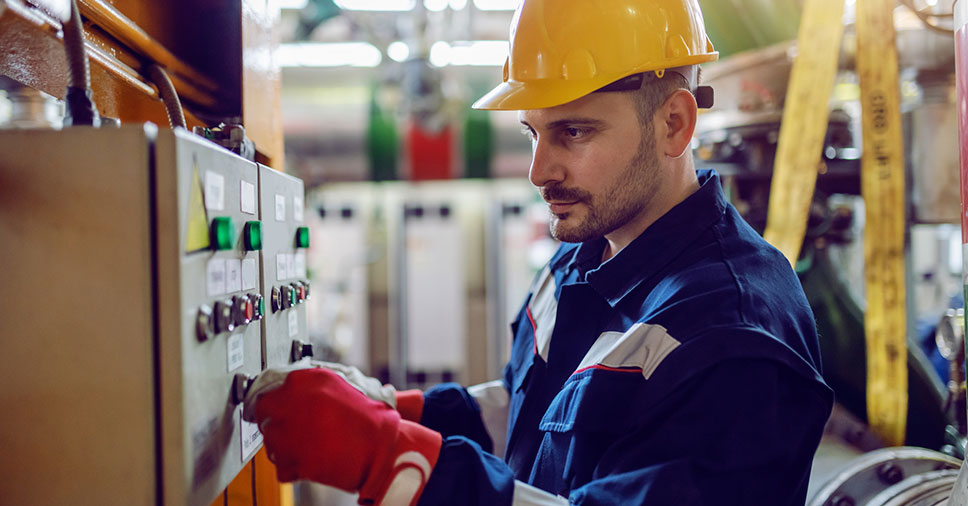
318, 427
410, 404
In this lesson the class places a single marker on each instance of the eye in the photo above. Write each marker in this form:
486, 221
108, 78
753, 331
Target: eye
529, 133
574, 133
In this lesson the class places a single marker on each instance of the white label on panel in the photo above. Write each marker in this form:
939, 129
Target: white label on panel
280, 208
233, 275
297, 209
282, 268
300, 262
236, 352
291, 266
293, 324
215, 273
214, 191
249, 274
250, 436
247, 197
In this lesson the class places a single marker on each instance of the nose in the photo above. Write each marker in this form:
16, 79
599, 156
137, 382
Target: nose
545, 165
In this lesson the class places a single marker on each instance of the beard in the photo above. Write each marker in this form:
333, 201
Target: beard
632, 193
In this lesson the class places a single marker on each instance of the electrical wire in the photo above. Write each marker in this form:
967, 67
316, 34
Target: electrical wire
74, 46
79, 107
176, 114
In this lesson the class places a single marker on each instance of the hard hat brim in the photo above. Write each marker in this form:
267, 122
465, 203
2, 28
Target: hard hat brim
541, 93
538, 94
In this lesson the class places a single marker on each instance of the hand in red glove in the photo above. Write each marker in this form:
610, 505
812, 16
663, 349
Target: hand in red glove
318, 427
408, 402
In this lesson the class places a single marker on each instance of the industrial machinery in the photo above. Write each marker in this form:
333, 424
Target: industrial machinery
143, 304
151, 267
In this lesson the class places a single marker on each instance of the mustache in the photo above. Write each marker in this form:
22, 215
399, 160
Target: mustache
556, 192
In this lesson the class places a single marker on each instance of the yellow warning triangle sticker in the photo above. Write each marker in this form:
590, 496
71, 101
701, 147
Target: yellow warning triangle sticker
196, 231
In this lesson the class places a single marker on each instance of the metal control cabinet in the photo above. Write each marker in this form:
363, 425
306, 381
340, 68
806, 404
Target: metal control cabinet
204, 294
125, 323
284, 276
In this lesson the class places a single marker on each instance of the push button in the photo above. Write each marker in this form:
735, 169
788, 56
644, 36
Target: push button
223, 233
252, 235
300, 350
204, 323
276, 298
302, 237
241, 310
223, 316
287, 297
258, 305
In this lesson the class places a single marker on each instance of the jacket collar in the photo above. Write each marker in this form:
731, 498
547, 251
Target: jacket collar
658, 245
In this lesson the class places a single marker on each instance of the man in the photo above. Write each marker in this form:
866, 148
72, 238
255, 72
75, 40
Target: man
665, 356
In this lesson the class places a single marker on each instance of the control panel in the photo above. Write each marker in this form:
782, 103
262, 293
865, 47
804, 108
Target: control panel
199, 278
284, 276
207, 201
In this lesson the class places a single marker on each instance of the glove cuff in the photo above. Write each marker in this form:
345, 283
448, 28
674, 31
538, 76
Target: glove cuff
409, 464
410, 404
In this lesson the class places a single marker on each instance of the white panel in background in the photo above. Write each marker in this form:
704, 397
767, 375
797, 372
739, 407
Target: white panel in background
339, 307
435, 296
516, 238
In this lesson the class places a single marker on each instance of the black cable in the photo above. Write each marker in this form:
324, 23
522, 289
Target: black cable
176, 115
80, 109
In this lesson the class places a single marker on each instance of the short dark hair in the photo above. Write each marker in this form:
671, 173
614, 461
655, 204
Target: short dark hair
651, 96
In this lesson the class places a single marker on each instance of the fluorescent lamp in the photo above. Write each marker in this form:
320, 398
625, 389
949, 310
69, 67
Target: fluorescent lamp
376, 5
458, 4
337, 54
477, 52
292, 4
440, 54
398, 51
496, 5
435, 5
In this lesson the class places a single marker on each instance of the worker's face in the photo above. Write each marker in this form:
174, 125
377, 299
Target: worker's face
593, 162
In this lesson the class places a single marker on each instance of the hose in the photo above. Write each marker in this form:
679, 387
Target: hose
176, 115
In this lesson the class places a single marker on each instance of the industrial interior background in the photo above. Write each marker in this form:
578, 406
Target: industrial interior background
426, 233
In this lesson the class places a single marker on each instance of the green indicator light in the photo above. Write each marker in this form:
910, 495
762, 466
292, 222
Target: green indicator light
223, 233
292, 297
302, 237
252, 232
262, 306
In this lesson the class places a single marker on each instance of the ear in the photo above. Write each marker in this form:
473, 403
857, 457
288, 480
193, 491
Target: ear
678, 121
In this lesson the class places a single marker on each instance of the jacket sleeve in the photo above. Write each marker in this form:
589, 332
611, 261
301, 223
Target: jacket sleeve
478, 413
743, 433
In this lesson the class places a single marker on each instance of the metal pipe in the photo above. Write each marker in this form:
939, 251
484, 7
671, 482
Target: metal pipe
131, 35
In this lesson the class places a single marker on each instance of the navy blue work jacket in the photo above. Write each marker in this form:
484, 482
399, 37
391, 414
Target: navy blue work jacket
685, 370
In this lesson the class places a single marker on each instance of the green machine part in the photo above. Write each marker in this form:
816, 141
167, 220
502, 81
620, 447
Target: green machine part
382, 141
739, 25
840, 324
478, 144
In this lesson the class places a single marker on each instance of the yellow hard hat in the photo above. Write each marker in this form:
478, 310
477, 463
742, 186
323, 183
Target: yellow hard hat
565, 49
